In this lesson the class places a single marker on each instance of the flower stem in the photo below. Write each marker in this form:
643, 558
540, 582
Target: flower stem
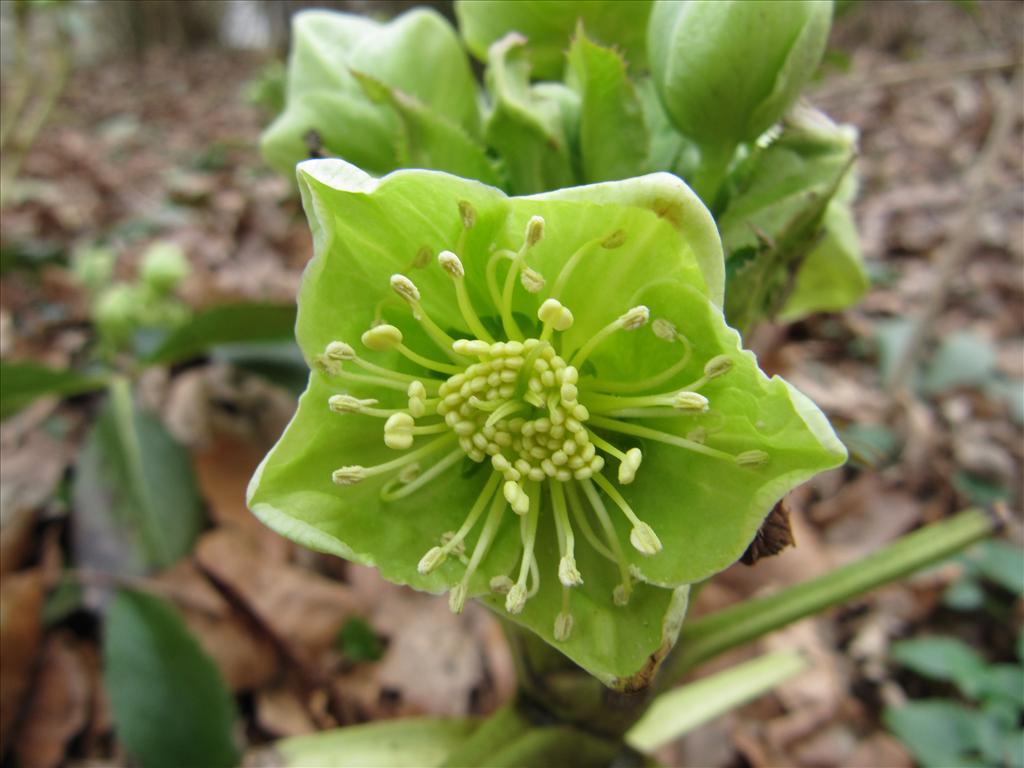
709, 636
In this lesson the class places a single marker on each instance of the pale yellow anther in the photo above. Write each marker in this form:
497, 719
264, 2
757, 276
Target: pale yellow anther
471, 347
516, 497
614, 240
629, 466
534, 230
568, 573
555, 314
644, 539
468, 214
405, 288
457, 598
348, 403
635, 318
532, 280
690, 401
417, 394
382, 337
664, 329
501, 585
349, 475
717, 366
515, 599
398, 431
339, 350
563, 626
569, 393
451, 264
754, 458
620, 595
431, 560
409, 472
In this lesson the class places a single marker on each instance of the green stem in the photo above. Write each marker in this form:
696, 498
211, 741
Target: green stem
723, 630
713, 168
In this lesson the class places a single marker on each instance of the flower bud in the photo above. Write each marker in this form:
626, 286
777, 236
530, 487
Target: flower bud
726, 71
116, 313
164, 266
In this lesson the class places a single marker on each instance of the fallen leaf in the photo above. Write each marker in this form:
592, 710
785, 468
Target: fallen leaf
280, 712
21, 599
59, 707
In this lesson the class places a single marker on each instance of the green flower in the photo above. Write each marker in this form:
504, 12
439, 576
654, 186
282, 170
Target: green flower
532, 400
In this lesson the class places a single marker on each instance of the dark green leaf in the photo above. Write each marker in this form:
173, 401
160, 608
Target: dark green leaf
21, 383
1001, 562
169, 705
965, 594
358, 642
223, 325
980, 491
280, 362
1004, 681
942, 658
135, 502
939, 733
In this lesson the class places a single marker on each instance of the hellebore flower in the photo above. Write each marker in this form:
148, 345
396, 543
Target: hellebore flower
532, 400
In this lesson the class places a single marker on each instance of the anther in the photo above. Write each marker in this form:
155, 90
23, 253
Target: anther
717, 366
381, 338
629, 465
552, 312
501, 585
534, 230
340, 351
417, 394
349, 475
451, 264
457, 597
754, 458
635, 318
690, 401
664, 329
614, 240
568, 573
405, 288
516, 497
431, 560
563, 626
644, 539
471, 347
348, 403
515, 599
532, 280
398, 431
468, 214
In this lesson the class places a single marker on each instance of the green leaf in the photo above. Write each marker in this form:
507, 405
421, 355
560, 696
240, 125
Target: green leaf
682, 709
645, 241
136, 506
280, 362
420, 743
964, 359
613, 138
22, 383
324, 96
939, 733
169, 705
964, 594
548, 26
358, 642
1000, 562
942, 658
526, 125
1003, 681
224, 324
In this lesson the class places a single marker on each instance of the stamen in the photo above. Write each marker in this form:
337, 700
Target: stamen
383, 337
437, 555
388, 494
622, 591
453, 266
754, 458
563, 621
457, 596
661, 330
516, 598
608, 242
682, 400
568, 573
630, 321
642, 537
492, 273
555, 317
400, 428
408, 291
534, 232
532, 280
351, 475
338, 352
350, 404
637, 430
629, 461
516, 497
417, 394
715, 367
580, 516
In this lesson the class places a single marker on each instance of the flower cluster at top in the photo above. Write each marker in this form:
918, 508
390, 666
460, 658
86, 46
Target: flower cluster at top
522, 401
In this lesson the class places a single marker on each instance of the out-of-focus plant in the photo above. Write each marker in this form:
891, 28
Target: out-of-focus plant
702, 89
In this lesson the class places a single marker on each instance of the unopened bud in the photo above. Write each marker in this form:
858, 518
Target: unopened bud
382, 337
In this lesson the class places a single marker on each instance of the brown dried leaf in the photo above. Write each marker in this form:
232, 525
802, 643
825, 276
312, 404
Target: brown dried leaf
21, 598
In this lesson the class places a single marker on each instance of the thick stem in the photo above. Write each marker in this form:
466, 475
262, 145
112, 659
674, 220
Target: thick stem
713, 168
723, 630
